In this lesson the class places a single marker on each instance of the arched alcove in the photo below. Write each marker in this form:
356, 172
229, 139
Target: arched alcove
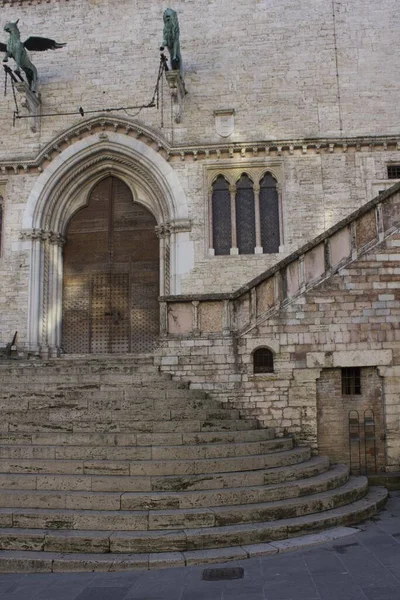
64, 188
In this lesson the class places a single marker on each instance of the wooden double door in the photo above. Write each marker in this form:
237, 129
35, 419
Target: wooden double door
111, 275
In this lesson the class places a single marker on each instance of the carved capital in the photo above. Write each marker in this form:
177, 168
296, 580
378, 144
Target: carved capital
163, 231
42, 235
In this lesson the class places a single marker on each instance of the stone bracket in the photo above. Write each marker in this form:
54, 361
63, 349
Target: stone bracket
178, 92
31, 102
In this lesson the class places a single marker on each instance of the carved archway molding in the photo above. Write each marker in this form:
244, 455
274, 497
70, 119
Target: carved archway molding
64, 187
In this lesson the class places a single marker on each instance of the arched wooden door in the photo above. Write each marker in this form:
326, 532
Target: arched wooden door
111, 275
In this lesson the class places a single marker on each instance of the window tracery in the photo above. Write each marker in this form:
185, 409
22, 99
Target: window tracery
244, 212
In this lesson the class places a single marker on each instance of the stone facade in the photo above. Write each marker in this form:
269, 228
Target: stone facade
331, 305
315, 101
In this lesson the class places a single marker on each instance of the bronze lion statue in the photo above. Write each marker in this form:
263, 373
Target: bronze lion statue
171, 38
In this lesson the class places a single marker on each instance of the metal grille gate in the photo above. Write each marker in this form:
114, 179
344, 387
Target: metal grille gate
111, 274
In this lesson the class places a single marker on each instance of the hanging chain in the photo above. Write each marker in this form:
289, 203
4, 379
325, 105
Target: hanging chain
162, 103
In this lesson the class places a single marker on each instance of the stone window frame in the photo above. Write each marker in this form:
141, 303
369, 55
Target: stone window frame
271, 353
232, 173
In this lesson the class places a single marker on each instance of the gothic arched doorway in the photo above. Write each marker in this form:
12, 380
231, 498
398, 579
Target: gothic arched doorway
111, 275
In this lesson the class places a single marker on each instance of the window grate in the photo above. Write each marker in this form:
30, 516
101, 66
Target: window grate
351, 381
393, 171
263, 361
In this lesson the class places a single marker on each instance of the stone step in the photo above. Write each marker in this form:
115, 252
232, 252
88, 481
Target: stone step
145, 468
131, 426
123, 484
73, 415
144, 520
18, 395
139, 439
328, 480
83, 500
251, 541
240, 541
48, 452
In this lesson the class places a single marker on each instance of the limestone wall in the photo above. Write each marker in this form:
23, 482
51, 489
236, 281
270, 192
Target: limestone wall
313, 321
274, 63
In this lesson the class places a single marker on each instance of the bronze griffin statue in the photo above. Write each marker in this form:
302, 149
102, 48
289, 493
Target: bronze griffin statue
18, 51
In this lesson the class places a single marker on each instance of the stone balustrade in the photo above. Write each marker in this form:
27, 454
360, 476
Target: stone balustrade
223, 314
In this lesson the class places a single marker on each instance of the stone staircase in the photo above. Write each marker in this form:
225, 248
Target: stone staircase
107, 464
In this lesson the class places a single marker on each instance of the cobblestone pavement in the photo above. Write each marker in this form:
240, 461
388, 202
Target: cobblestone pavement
362, 566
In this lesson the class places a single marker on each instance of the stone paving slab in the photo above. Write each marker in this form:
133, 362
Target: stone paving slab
342, 564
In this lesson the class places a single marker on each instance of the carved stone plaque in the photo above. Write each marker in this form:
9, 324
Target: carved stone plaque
225, 122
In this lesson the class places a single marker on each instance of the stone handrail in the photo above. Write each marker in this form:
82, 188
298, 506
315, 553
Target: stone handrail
223, 314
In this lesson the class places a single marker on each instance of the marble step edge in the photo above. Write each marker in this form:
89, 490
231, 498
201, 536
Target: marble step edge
167, 483
149, 467
198, 519
136, 439
155, 452
100, 500
293, 535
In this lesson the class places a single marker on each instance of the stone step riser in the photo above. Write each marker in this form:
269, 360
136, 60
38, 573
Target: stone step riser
125, 426
133, 439
142, 452
73, 415
156, 468
134, 389
189, 500
181, 519
125, 484
41, 542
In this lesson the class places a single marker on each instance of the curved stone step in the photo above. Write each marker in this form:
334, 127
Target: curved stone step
144, 520
99, 415
83, 500
240, 541
133, 439
114, 483
146, 468
328, 480
131, 426
143, 452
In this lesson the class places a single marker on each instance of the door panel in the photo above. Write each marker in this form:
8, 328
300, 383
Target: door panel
111, 275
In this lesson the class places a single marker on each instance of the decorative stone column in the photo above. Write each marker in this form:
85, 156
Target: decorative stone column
163, 232
45, 308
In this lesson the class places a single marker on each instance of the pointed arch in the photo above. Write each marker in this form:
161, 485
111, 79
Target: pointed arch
64, 187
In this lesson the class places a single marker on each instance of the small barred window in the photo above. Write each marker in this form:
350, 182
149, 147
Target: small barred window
393, 171
263, 361
351, 381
